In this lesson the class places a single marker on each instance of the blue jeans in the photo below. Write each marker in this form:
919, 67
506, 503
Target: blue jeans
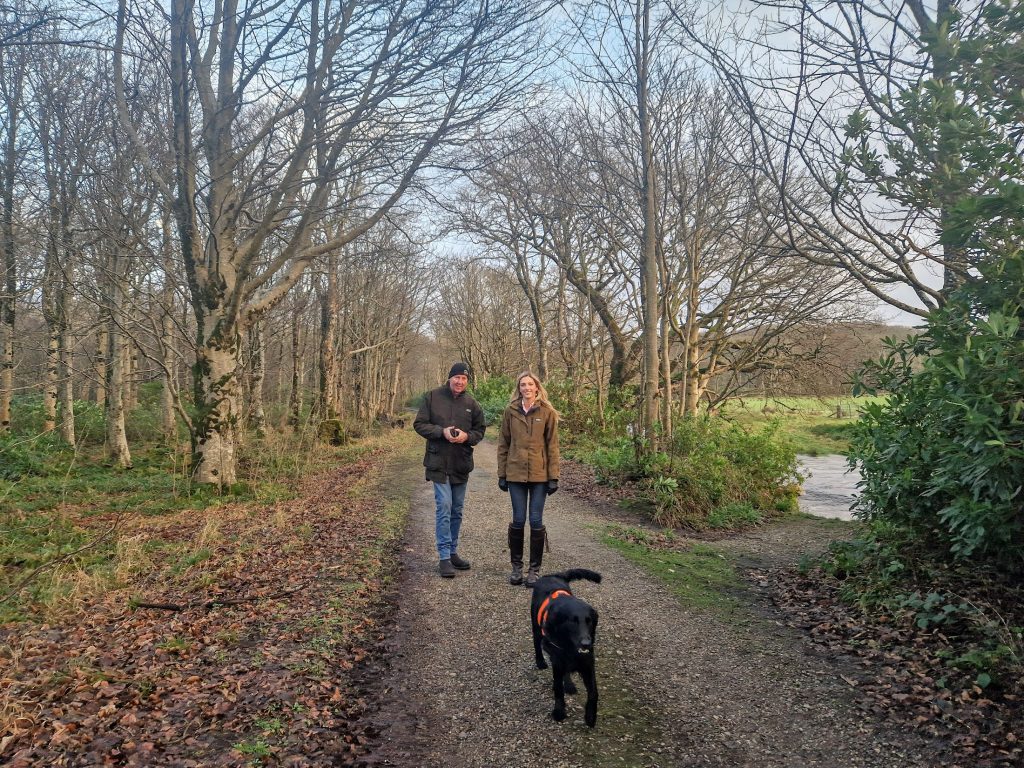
530, 495
448, 498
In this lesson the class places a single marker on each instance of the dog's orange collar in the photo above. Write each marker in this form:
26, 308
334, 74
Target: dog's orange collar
542, 612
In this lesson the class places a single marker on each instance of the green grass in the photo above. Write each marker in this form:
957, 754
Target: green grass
70, 500
701, 577
815, 426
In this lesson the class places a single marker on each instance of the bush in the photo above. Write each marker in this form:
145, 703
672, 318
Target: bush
583, 422
493, 395
713, 474
943, 457
615, 463
726, 477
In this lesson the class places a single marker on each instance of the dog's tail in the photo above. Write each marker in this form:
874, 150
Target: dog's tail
579, 573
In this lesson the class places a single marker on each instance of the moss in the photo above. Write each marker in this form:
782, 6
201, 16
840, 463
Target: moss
701, 577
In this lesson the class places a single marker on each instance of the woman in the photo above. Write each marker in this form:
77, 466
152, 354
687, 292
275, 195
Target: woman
528, 469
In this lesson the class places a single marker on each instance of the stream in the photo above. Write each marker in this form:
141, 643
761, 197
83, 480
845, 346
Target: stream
830, 489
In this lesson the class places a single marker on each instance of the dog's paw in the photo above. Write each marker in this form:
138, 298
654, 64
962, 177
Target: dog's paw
590, 718
558, 715
541, 664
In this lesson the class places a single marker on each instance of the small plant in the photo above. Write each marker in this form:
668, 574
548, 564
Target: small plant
933, 609
254, 748
270, 725
175, 644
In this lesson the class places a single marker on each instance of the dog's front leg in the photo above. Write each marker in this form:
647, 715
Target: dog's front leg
590, 681
558, 673
568, 685
538, 654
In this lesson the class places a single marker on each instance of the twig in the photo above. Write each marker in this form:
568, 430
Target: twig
211, 604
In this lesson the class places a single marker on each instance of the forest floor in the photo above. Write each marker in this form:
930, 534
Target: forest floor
321, 634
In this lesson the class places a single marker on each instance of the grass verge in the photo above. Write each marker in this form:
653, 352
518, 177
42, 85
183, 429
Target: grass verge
83, 529
815, 426
700, 576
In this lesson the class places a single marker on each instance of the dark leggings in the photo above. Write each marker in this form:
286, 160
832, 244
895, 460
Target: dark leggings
528, 496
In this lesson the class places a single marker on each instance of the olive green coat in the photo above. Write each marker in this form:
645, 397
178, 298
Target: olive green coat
528, 444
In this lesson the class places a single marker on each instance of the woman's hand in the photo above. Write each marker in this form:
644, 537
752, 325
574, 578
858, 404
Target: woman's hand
552, 486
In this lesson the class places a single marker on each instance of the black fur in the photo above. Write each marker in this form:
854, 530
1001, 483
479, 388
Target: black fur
568, 637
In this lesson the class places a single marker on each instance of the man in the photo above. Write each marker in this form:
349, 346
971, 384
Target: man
452, 423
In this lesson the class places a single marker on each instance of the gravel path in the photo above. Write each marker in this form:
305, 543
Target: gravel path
678, 687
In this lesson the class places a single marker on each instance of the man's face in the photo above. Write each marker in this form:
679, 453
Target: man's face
458, 383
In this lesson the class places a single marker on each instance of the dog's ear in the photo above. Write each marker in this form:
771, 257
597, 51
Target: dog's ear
593, 622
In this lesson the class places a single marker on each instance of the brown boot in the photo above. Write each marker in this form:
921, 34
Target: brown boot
515, 546
537, 536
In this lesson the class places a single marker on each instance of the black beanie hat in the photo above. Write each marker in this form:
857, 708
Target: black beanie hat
459, 368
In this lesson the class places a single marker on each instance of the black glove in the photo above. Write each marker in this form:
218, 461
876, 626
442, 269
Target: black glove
552, 486
503, 484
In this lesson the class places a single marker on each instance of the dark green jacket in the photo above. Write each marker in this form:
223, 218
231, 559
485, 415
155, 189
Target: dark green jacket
444, 461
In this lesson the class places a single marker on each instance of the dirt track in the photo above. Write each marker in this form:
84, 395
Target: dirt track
678, 687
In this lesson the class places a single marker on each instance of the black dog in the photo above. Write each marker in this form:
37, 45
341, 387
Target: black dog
566, 628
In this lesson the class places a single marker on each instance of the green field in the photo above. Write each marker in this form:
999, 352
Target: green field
816, 426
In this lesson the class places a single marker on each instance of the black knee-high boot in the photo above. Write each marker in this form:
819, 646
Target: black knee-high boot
515, 546
537, 536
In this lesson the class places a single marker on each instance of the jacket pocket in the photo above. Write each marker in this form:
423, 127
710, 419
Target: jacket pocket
432, 459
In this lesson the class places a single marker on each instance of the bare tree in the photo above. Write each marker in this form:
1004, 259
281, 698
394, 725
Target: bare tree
271, 109
821, 106
17, 24
621, 50
500, 211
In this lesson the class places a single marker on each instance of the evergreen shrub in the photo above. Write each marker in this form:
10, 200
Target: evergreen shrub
493, 394
943, 456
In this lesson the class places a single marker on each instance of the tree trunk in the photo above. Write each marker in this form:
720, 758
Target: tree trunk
51, 375
67, 389
8, 291
692, 385
100, 364
295, 398
168, 415
12, 61
257, 413
216, 396
328, 358
131, 374
67, 368
117, 349
666, 369
648, 207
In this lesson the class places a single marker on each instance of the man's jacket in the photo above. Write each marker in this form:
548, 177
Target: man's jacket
444, 461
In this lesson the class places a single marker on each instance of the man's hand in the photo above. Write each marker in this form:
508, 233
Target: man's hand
455, 435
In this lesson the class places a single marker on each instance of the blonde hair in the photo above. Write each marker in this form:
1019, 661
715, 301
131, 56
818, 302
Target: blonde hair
542, 394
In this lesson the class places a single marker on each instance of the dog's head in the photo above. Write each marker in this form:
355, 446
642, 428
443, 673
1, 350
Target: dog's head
586, 630
574, 627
